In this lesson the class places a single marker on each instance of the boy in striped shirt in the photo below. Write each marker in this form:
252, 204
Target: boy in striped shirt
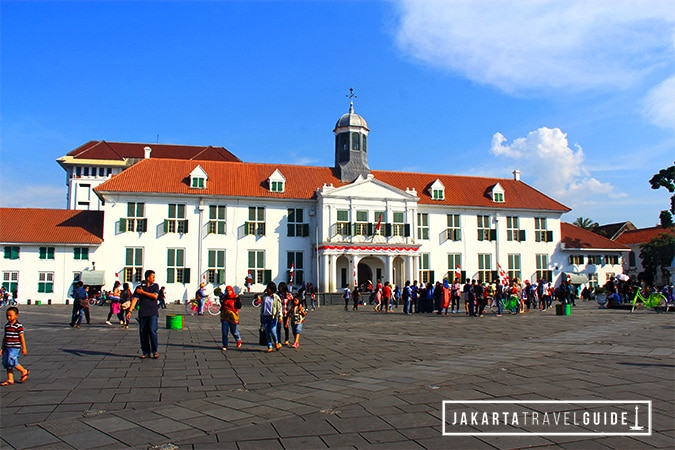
13, 343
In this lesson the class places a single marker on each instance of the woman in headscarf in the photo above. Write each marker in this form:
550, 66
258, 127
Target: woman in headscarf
230, 304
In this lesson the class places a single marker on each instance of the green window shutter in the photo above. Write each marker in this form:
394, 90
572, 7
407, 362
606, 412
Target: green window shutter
267, 276
170, 275
458, 235
493, 235
521, 235
129, 257
290, 229
407, 230
370, 229
8, 252
50, 288
480, 234
166, 226
186, 275
246, 227
41, 288
84, 253
221, 276
432, 277
305, 229
185, 226
495, 275
123, 225
463, 275
549, 236
387, 229
142, 225
212, 258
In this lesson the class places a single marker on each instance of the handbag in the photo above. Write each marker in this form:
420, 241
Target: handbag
262, 337
84, 302
126, 305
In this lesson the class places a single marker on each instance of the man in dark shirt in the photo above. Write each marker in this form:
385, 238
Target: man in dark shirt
146, 295
79, 294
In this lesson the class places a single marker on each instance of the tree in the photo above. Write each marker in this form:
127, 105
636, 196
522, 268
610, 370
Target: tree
585, 223
657, 254
666, 179
666, 219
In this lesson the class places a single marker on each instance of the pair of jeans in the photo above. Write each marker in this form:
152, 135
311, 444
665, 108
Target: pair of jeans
200, 305
226, 328
270, 325
407, 309
147, 330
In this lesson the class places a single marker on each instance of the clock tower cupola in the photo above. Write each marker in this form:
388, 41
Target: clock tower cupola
351, 144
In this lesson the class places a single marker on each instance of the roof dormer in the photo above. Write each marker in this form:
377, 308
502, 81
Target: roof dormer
277, 182
497, 193
198, 178
437, 190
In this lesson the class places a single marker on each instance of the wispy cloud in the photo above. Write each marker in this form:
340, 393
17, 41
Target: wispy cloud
554, 167
659, 104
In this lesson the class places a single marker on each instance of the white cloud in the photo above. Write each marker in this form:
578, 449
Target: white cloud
659, 104
545, 157
529, 45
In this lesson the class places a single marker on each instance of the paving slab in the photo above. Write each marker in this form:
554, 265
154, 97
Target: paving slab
359, 380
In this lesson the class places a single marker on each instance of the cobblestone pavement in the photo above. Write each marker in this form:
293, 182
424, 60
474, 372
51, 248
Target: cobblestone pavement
359, 379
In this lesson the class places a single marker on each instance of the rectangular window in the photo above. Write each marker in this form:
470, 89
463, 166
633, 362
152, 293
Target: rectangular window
438, 194
513, 231
11, 252
176, 223
46, 252
381, 218
10, 280
594, 259
133, 264
296, 226
361, 225
453, 231
297, 261
342, 226
216, 266
426, 275
543, 271
256, 265
541, 233
612, 259
198, 182
484, 231
498, 197
593, 280
454, 263
135, 220
399, 225
576, 259
176, 272
514, 267
81, 253
256, 221
423, 226
45, 282
484, 267
217, 223
101, 171
277, 186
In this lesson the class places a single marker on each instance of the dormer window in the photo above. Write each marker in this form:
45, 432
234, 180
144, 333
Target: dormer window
277, 182
198, 178
497, 193
437, 190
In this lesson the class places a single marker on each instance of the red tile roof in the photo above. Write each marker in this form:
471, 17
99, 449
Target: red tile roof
574, 237
169, 176
58, 226
120, 150
643, 235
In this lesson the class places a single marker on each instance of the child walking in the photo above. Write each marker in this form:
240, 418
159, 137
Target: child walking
297, 314
13, 342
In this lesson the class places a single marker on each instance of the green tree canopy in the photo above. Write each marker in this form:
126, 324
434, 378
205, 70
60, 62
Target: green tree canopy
585, 223
657, 254
665, 178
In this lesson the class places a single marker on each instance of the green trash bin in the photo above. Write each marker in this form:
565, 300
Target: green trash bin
568, 310
38, 302
174, 322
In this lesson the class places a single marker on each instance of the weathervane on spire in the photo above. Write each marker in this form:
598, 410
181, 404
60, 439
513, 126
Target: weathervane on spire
351, 96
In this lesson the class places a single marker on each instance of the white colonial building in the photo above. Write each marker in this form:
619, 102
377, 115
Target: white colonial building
217, 219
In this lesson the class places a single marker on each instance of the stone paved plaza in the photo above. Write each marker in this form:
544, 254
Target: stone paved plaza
359, 380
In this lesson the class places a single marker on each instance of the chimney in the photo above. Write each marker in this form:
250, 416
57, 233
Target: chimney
148, 150
516, 175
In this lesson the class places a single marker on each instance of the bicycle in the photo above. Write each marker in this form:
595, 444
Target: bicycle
654, 300
210, 305
9, 302
510, 304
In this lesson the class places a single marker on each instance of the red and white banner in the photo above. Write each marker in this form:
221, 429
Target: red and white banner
458, 273
379, 223
503, 276
292, 273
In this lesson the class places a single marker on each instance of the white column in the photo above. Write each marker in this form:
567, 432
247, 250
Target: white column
324, 273
355, 270
389, 268
332, 273
409, 270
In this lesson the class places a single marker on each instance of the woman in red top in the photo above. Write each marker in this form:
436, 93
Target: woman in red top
230, 304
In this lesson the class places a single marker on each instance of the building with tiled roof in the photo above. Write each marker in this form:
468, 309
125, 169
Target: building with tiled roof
633, 239
614, 230
224, 221
587, 257
96, 161
45, 249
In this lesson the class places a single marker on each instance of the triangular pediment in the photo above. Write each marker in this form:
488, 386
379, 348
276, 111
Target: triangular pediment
369, 188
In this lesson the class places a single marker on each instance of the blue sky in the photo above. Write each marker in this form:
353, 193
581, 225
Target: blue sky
577, 95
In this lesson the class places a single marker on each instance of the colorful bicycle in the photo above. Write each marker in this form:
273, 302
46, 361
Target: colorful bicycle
654, 300
210, 305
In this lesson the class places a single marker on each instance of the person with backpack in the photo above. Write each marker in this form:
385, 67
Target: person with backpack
230, 304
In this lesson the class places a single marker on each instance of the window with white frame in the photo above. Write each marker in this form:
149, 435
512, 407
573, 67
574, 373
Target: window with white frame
454, 263
453, 230
541, 232
296, 226
256, 266
361, 225
135, 220
423, 226
10, 280
296, 260
277, 186
484, 267
133, 264
612, 259
399, 225
45, 282
595, 259
380, 218
576, 260
514, 267
513, 231
542, 266
426, 275
593, 280
216, 266
342, 225
483, 224
217, 222
256, 221
176, 222
46, 252
81, 253
176, 272
11, 252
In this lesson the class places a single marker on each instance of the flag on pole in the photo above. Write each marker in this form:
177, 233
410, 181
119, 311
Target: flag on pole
292, 272
117, 276
458, 273
249, 281
379, 223
503, 276
356, 281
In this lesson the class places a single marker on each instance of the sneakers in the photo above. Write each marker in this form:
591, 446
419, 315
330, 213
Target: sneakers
108, 322
238, 343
